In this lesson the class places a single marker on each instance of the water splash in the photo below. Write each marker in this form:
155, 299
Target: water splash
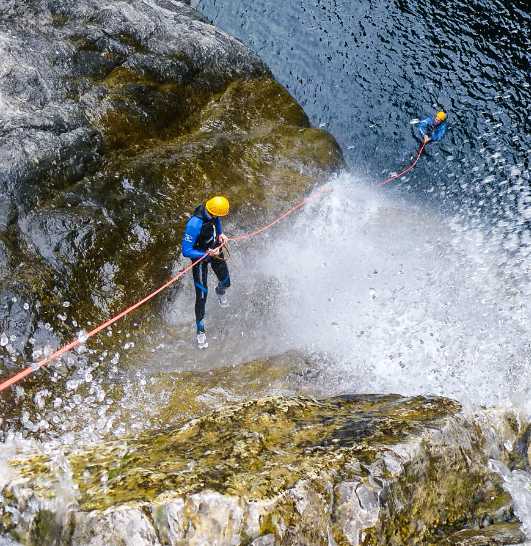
518, 484
404, 299
391, 296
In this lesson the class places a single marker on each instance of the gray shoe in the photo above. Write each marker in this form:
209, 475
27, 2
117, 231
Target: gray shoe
223, 300
202, 340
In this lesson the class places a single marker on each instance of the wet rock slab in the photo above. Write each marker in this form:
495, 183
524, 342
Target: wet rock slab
357, 469
498, 533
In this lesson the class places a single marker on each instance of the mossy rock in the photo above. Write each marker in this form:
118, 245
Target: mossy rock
138, 113
145, 188
365, 469
191, 394
160, 400
499, 533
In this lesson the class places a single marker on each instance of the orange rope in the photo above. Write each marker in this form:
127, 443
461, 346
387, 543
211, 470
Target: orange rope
76, 343
406, 170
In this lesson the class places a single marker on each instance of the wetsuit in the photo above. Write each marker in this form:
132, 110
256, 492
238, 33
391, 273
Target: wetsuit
201, 233
428, 128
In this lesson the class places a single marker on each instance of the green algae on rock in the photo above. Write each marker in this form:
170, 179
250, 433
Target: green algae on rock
498, 533
353, 469
131, 115
188, 394
168, 399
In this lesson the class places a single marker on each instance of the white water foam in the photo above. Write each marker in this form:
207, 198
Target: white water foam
518, 484
404, 299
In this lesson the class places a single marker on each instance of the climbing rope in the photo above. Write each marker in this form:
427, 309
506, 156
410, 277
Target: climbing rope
406, 170
83, 338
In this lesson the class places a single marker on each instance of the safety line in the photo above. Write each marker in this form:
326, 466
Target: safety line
82, 339
406, 170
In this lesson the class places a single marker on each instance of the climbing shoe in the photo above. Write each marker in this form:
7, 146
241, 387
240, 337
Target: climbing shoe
202, 340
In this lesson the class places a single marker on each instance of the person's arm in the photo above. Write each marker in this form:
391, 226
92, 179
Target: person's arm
191, 233
222, 238
439, 133
423, 129
423, 126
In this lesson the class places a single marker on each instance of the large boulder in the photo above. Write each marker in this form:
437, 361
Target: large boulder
117, 119
354, 469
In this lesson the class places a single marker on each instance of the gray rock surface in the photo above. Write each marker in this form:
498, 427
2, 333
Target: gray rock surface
351, 470
4, 258
498, 533
53, 58
51, 54
117, 118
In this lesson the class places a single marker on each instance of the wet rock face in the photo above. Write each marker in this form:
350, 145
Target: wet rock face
191, 394
498, 533
116, 120
359, 469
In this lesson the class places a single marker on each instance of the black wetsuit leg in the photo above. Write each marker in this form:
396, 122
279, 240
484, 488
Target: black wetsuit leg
200, 274
222, 273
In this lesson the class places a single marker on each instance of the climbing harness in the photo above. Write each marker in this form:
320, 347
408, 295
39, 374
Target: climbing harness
226, 254
83, 338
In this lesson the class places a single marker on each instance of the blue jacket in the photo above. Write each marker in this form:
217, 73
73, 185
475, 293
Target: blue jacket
201, 233
426, 127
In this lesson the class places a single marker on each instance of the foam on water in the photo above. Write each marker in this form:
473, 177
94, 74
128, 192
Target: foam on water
404, 299
518, 484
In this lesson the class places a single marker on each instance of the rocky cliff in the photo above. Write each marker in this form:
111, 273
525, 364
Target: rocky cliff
116, 120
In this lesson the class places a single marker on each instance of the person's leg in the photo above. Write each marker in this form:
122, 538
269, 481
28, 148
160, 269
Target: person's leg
222, 273
200, 273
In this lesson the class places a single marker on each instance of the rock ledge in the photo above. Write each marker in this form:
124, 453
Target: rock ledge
357, 469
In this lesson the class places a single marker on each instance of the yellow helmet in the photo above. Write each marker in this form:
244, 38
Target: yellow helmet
441, 116
218, 206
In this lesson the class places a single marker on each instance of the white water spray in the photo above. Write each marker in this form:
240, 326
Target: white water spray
403, 299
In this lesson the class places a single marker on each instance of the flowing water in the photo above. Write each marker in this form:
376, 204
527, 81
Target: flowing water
428, 289
407, 300
518, 484
421, 287
365, 70
432, 295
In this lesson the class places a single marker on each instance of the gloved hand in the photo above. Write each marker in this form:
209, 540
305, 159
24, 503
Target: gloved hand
214, 251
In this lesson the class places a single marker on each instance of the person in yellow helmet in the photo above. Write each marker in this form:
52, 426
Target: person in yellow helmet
204, 235
433, 128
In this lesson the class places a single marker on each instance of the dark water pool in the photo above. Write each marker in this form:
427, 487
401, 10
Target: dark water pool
365, 69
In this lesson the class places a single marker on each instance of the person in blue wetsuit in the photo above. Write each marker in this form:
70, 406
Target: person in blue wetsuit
433, 128
204, 235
